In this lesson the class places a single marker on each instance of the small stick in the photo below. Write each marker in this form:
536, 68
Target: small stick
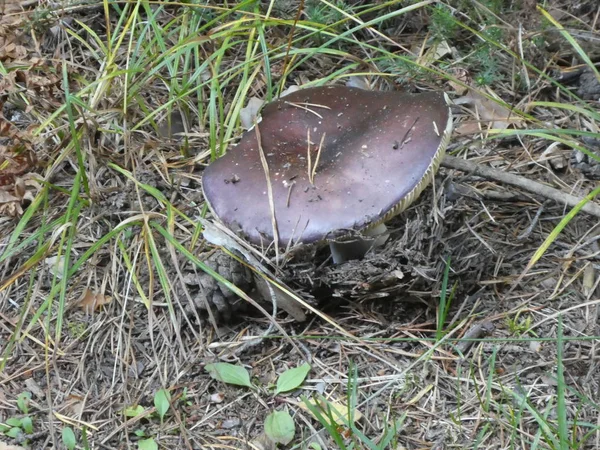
477, 331
534, 187
404, 139
525, 234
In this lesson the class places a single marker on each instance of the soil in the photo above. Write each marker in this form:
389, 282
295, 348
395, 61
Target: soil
380, 314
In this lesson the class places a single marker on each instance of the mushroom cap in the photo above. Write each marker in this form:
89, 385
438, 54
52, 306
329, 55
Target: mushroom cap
379, 151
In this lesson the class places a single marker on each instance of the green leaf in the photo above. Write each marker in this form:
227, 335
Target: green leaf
162, 400
14, 432
23, 402
147, 444
292, 378
27, 424
4, 427
280, 427
134, 411
68, 438
13, 421
140, 433
229, 373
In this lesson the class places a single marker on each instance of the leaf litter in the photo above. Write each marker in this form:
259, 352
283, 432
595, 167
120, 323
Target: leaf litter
388, 300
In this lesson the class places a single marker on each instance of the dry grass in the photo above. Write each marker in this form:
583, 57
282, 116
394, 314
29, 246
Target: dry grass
111, 111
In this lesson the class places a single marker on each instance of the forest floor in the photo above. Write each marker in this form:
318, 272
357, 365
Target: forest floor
475, 326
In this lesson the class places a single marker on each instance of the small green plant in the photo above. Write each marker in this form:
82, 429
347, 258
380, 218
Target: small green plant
162, 403
147, 444
292, 378
340, 421
443, 24
445, 301
486, 60
76, 329
518, 325
68, 438
16, 427
279, 425
319, 12
23, 400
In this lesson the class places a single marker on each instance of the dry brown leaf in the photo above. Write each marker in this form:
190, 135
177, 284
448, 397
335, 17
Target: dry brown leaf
10, 205
33, 387
22, 194
463, 76
249, 112
359, 81
496, 115
589, 280
434, 53
91, 301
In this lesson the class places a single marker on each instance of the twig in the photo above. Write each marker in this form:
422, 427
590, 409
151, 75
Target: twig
534, 187
477, 331
525, 234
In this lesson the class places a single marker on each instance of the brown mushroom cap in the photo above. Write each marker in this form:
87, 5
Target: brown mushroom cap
379, 151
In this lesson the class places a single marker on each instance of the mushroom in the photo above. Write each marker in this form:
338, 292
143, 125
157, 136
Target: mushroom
333, 164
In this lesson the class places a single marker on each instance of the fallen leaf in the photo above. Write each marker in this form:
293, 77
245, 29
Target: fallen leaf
263, 442
249, 113
589, 280
434, 53
33, 387
461, 75
91, 301
6, 197
359, 82
496, 115
56, 266
289, 90
217, 397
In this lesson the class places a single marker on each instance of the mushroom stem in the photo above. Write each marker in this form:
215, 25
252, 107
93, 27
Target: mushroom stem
357, 248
